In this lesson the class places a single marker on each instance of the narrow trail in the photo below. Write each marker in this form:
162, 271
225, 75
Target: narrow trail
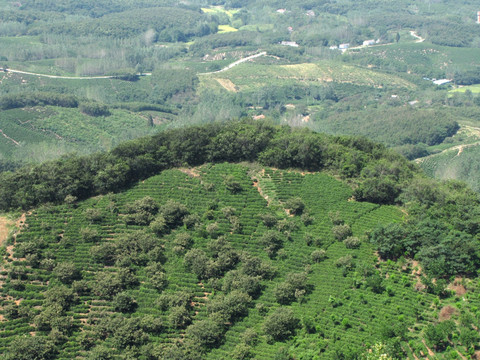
57, 76
412, 32
238, 62
418, 37
9, 138
5, 225
459, 148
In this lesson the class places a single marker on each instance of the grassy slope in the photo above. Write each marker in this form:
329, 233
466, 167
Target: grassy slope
458, 158
103, 90
364, 310
460, 163
249, 77
46, 132
425, 57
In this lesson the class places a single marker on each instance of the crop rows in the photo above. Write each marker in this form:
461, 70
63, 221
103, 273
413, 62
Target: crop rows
206, 194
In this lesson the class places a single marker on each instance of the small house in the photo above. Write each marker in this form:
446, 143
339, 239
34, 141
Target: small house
369, 42
289, 43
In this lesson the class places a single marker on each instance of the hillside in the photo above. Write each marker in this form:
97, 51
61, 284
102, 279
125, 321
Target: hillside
244, 260
250, 77
42, 133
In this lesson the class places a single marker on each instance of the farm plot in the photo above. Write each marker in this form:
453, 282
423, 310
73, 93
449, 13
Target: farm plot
249, 77
114, 270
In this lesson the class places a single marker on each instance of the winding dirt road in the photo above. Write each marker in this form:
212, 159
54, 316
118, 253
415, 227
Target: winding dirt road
58, 76
459, 148
238, 62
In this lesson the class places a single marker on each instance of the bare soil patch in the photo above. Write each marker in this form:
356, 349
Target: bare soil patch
447, 312
430, 352
457, 286
190, 172
227, 84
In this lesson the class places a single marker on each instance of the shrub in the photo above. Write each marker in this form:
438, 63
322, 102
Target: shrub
281, 324
66, 272
94, 109
318, 255
295, 205
341, 232
89, 235
269, 220
93, 215
232, 184
206, 333
352, 242
124, 303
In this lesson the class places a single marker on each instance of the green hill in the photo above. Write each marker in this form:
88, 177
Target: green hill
250, 77
277, 257
40, 133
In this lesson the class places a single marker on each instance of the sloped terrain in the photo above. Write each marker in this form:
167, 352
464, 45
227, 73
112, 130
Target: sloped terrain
339, 310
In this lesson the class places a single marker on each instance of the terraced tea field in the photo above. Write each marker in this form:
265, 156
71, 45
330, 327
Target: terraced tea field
43, 133
337, 309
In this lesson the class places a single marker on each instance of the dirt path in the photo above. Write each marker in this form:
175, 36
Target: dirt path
9, 138
416, 36
459, 148
65, 77
475, 131
238, 62
5, 226
412, 32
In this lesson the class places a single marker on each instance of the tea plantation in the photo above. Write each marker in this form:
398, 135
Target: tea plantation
221, 261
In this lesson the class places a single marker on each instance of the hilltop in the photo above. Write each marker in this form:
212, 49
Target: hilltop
314, 246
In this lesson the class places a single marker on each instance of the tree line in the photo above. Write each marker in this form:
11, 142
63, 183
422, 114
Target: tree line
282, 147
